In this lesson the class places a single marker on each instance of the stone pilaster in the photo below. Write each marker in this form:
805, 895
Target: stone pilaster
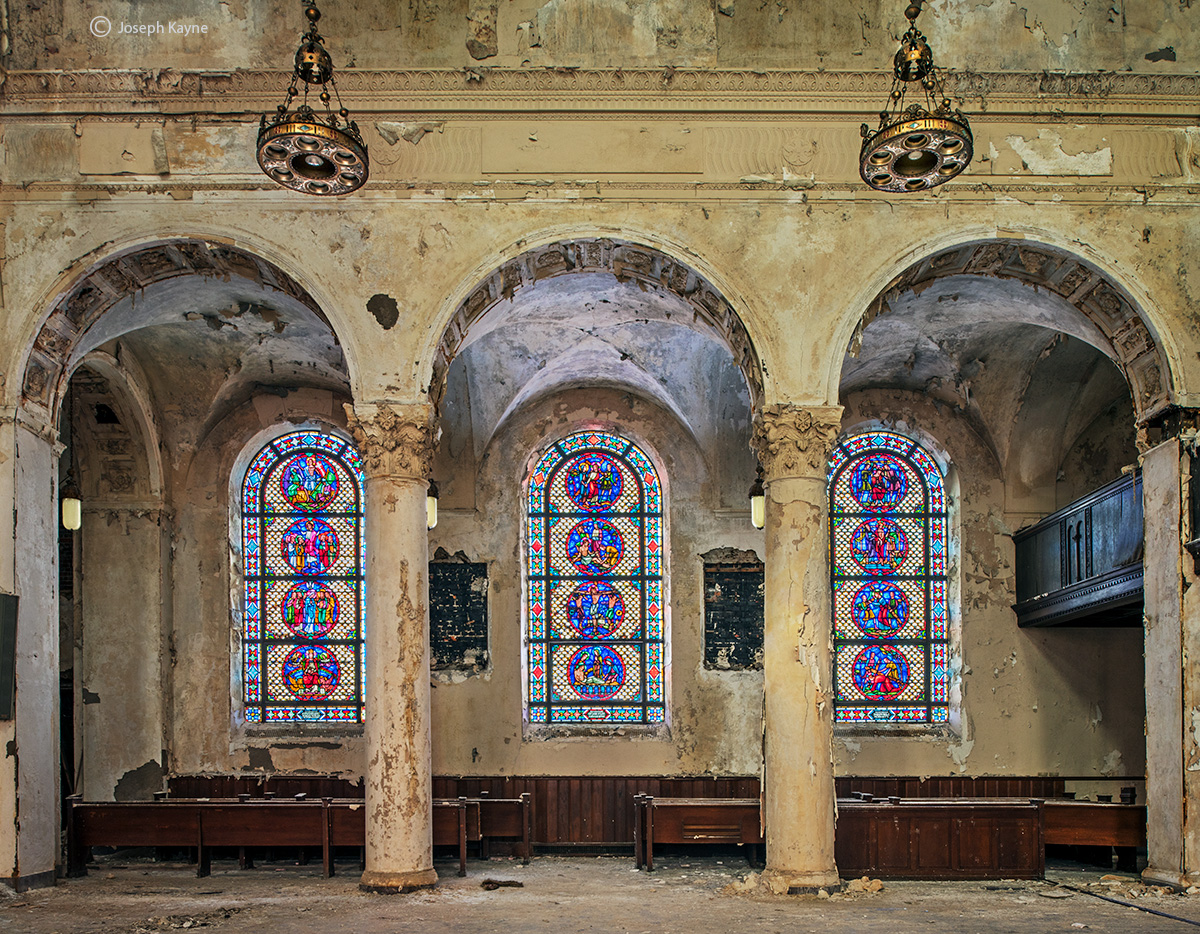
396, 442
1172, 648
793, 444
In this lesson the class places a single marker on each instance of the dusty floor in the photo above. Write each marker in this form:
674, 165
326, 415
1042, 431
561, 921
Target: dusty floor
129, 895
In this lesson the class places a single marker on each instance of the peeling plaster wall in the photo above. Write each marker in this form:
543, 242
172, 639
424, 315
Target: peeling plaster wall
1033, 702
714, 716
120, 720
1079, 35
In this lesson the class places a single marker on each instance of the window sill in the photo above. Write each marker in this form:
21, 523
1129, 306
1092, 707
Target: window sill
570, 732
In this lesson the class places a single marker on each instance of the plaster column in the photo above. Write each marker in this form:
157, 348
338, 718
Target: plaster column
8, 585
396, 442
35, 752
793, 444
1172, 675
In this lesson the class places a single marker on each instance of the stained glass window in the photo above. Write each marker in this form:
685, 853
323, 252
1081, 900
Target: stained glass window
595, 584
887, 543
302, 547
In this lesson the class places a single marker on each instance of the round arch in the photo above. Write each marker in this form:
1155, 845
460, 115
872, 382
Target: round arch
651, 267
128, 384
1098, 296
99, 282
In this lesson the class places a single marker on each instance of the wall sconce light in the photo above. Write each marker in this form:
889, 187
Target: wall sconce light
916, 147
72, 506
431, 498
758, 501
302, 150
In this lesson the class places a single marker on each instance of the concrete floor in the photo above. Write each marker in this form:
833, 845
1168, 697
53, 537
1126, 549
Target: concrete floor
129, 895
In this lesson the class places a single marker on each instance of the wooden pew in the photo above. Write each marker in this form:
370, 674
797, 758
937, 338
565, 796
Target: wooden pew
455, 823
1097, 823
692, 820
948, 838
506, 818
245, 822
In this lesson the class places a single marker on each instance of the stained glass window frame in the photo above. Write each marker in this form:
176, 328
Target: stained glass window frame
922, 580
544, 513
262, 517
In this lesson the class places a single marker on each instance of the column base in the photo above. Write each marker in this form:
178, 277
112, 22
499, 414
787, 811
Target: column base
1172, 877
397, 883
801, 882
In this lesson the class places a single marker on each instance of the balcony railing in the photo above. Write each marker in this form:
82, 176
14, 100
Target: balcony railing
1082, 566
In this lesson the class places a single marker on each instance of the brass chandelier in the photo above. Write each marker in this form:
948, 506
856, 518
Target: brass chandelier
916, 146
317, 154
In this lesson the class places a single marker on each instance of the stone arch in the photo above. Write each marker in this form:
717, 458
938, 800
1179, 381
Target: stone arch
105, 283
649, 266
126, 384
1134, 347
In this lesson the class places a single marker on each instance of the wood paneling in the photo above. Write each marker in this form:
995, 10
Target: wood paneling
598, 810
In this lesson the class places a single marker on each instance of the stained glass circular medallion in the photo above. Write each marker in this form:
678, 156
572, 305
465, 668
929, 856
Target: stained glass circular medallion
309, 609
311, 672
596, 672
878, 482
309, 546
595, 610
880, 609
308, 482
880, 672
879, 546
593, 482
594, 546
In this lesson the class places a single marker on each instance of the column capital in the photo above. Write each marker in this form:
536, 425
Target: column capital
395, 440
795, 440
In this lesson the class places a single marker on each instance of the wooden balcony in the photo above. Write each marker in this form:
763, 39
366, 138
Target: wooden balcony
1082, 566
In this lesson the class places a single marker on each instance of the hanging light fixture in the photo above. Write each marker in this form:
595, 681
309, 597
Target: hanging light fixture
72, 506
431, 498
758, 501
916, 146
317, 154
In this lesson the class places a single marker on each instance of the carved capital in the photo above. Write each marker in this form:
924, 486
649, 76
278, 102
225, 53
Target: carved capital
394, 440
795, 440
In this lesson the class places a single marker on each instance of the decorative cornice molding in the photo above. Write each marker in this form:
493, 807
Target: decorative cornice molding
794, 440
396, 441
596, 90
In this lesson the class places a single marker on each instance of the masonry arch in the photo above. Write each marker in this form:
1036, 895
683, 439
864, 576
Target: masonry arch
1116, 322
197, 279
651, 268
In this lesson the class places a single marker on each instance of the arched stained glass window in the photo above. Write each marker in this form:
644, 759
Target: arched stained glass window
302, 546
887, 543
594, 578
